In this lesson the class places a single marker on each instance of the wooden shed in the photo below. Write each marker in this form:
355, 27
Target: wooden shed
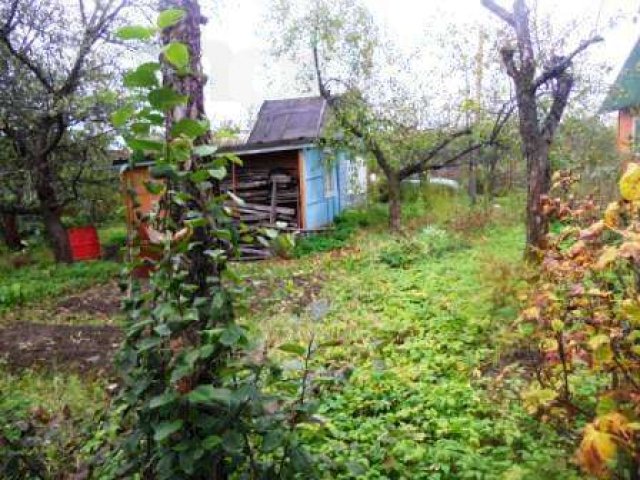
285, 177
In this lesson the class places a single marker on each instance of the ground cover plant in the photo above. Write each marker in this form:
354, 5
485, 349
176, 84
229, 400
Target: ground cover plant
44, 280
47, 421
401, 381
407, 339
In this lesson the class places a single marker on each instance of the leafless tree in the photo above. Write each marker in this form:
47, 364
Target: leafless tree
530, 76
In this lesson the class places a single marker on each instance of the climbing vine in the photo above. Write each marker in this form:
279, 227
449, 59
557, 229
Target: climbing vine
198, 397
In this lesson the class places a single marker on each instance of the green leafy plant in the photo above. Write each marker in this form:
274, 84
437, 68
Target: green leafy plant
402, 254
581, 327
198, 399
345, 225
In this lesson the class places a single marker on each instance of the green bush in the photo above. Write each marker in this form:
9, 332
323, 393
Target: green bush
113, 235
430, 242
345, 225
402, 254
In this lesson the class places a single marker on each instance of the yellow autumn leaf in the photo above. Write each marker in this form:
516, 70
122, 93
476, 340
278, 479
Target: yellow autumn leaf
535, 397
549, 344
631, 311
616, 424
531, 314
597, 341
607, 257
630, 183
596, 451
634, 426
612, 215
557, 325
601, 348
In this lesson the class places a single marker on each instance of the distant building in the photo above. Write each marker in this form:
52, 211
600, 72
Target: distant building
624, 97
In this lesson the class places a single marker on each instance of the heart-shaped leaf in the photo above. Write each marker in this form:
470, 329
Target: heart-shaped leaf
170, 17
177, 54
135, 32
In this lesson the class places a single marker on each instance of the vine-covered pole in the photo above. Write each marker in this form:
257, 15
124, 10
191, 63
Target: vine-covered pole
189, 80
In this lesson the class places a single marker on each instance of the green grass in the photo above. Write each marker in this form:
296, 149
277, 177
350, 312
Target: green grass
32, 277
345, 225
414, 324
47, 419
41, 281
421, 206
113, 234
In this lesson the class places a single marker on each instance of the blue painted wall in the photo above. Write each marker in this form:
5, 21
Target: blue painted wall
323, 204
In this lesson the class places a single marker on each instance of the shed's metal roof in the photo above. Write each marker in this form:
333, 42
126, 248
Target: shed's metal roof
288, 122
625, 92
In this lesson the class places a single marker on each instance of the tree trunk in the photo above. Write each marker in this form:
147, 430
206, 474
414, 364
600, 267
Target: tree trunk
491, 183
539, 176
192, 85
536, 154
10, 231
395, 207
51, 213
473, 181
57, 235
536, 133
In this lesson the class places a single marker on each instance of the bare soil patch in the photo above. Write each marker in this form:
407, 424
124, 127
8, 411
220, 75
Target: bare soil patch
79, 332
290, 294
75, 347
101, 300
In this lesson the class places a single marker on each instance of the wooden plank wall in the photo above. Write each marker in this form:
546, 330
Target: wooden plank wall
135, 179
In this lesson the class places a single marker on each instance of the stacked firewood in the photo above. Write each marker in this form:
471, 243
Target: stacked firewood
269, 197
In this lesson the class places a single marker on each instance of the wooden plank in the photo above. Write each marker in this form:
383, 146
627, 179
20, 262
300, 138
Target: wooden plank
251, 185
302, 199
280, 178
274, 201
266, 208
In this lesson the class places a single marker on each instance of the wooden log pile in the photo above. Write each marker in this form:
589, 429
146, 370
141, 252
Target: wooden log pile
270, 199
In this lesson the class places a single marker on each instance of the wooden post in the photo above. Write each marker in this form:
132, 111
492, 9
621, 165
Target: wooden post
302, 196
274, 201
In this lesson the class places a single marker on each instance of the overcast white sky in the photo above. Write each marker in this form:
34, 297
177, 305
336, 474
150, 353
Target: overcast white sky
236, 54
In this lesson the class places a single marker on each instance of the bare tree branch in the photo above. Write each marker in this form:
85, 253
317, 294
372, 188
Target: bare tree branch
93, 31
500, 12
14, 209
557, 69
428, 155
561, 92
22, 57
83, 13
7, 27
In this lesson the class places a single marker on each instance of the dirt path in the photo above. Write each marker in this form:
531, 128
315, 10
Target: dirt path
76, 332
80, 332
